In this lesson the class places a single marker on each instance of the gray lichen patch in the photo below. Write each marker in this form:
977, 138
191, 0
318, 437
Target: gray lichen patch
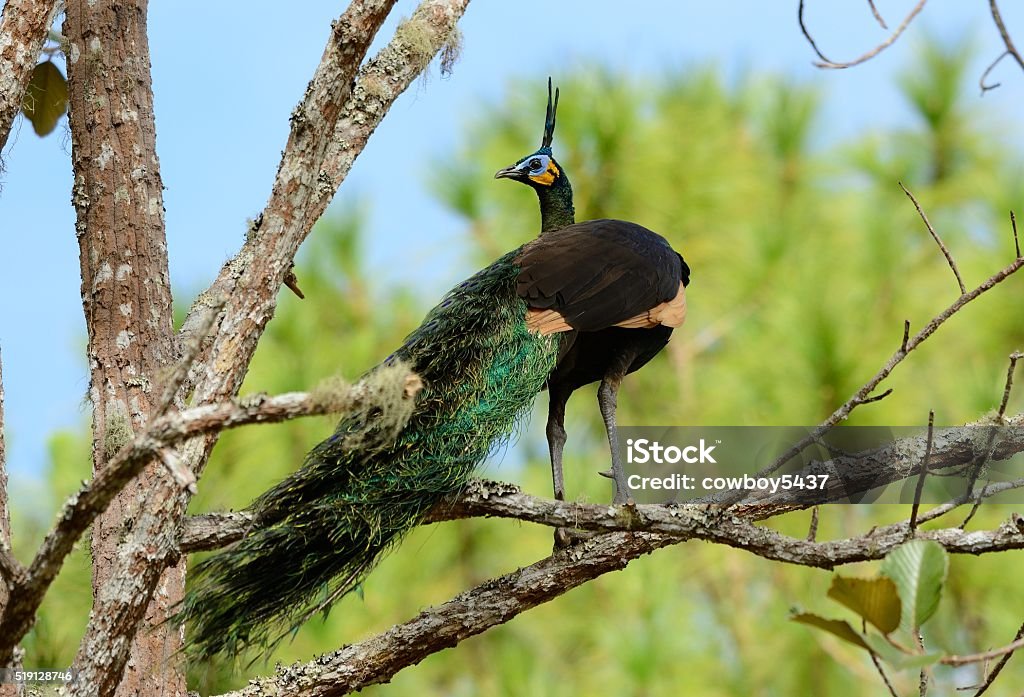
119, 433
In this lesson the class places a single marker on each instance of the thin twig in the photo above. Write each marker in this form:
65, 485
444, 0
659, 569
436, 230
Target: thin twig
877, 14
1014, 357
827, 63
924, 472
878, 664
922, 680
1010, 48
990, 678
1016, 241
906, 335
991, 438
981, 80
807, 34
812, 531
985, 655
876, 398
938, 240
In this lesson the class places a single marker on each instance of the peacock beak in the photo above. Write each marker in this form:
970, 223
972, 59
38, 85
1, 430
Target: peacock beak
508, 173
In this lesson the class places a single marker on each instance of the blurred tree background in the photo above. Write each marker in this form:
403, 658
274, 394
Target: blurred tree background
806, 261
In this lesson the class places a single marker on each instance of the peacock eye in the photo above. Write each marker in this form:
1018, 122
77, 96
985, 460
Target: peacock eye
535, 163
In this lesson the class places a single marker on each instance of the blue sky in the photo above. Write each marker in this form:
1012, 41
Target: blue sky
227, 75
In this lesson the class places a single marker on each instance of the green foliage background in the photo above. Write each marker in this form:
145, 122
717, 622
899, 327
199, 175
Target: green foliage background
806, 261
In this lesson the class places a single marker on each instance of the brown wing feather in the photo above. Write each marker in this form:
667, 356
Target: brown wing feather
546, 322
670, 314
599, 274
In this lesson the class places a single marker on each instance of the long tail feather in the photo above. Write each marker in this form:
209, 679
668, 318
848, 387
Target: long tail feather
320, 531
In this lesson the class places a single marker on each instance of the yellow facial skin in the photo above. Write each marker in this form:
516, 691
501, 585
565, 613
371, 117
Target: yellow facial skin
549, 175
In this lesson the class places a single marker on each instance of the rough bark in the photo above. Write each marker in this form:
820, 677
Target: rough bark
6, 690
377, 659
126, 296
23, 31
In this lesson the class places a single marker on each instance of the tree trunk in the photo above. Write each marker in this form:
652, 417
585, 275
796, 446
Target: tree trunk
126, 295
6, 690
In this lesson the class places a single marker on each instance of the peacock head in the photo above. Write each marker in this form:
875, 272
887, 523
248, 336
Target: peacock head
539, 169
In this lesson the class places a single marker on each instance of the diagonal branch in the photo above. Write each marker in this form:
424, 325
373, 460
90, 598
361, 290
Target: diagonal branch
906, 347
938, 240
23, 31
377, 659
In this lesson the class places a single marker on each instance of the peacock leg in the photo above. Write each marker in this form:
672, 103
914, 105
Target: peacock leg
607, 399
556, 443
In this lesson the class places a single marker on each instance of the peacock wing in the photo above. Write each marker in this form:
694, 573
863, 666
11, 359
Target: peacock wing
599, 274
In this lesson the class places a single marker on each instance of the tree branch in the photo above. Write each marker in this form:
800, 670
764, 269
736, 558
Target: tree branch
1011, 49
983, 656
166, 431
827, 63
494, 602
906, 347
990, 678
484, 499
23, 30
377, 659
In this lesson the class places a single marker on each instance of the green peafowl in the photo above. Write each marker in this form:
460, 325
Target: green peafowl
483, 354
609, 354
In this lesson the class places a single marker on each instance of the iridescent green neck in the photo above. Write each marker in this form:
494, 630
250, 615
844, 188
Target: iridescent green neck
556, 210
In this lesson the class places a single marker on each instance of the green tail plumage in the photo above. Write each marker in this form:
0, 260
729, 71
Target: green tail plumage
318, 532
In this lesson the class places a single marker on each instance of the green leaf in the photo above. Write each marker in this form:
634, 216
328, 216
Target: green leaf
874, 599
918, 568
839, 628
46, 98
